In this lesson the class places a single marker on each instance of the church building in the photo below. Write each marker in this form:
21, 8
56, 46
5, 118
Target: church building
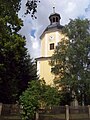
49, 40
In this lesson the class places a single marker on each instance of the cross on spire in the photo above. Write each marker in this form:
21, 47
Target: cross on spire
53, 9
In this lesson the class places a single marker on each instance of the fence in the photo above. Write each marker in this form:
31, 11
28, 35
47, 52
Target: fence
53, 113
80, 113
9, 111
65, 113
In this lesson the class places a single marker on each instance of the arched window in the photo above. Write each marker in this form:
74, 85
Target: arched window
51, 46
56, 19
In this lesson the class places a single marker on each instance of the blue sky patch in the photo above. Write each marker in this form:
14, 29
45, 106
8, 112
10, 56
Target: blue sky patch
33, 33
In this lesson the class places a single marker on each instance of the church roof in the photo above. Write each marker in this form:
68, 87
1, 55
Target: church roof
51, 27
54, 23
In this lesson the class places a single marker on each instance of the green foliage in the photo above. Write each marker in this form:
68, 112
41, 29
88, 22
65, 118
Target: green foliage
71, 59
32, 7
38, 95
16, 67
65, 97
51, 96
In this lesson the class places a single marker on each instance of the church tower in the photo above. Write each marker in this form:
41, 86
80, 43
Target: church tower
49, 40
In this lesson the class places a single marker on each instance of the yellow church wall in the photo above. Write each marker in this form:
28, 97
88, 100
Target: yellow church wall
44, 67
45, 71
42, 47
46, 41
50, 41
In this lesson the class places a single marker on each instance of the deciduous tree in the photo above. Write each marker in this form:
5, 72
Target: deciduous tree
71, 59
38, 95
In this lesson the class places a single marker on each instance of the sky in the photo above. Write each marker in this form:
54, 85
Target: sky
33, 28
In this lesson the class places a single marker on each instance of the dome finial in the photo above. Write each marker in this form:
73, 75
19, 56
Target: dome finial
53, 9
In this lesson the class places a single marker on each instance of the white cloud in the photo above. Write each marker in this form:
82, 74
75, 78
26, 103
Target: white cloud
35, 44
67, 9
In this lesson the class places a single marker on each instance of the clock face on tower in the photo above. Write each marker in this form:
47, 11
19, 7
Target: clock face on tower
51, 37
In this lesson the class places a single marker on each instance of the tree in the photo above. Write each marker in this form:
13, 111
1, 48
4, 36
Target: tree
16, 66
71, 60
38, 95
51, 96
16, 69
